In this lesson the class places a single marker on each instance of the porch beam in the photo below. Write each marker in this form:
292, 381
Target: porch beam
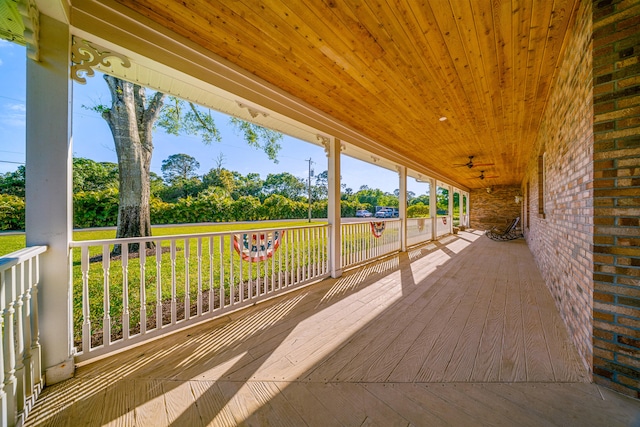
49, 192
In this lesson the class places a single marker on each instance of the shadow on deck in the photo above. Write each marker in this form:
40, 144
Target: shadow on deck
456, 332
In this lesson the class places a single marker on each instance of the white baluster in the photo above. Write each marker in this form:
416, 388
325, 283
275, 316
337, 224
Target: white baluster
232, 286
19, 330
125, 287
86, 315
187, 285
173, 283
10, 382
211, 277
106, 319
143, 291
35, 329
159, 284
221, 257
199, 297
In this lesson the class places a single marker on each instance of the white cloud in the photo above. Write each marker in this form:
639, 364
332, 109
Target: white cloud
1, 62
17, 108
14, 115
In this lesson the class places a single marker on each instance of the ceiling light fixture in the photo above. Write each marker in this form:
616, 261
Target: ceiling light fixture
442, 119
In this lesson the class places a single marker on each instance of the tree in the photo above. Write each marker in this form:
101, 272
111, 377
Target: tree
13, 183
285, 185
178, 167
220, 178
250, 185
89, 175
131, 117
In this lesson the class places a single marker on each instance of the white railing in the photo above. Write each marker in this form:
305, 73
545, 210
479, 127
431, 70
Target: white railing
443, 226
364, 241
128, 297
419, 230
21, 377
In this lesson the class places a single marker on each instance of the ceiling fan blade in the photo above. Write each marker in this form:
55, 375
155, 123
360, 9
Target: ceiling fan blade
483, 164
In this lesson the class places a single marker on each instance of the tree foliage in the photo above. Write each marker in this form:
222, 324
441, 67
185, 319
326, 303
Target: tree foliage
179, 167
284, 184
89, 175
218, 195
13, 183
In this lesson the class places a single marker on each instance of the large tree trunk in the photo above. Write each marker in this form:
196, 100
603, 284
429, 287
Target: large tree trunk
131, 123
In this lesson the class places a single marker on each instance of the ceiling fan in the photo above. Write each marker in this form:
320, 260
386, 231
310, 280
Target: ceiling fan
470, 163
488, 177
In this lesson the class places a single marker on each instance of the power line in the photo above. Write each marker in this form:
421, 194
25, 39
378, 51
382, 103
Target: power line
13, 99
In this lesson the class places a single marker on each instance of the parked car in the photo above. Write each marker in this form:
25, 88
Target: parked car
363, 213
384, 213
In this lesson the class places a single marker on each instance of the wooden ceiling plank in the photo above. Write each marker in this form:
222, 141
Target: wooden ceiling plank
521, 27
264, 71
443, 65
503, 16
467, 28
377, 67
390, 68
400, 88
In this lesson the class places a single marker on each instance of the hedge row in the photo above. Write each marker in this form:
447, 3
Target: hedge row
100, 209
11, 212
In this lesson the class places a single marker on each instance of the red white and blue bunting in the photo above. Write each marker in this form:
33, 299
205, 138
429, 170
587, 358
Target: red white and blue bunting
255, 247
377, 228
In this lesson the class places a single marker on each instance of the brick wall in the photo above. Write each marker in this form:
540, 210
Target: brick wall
616, 250
495, 209
558, 188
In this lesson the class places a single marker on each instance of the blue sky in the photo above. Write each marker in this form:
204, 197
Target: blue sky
92, 138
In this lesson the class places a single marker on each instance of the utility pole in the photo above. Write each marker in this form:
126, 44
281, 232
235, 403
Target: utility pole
309, 185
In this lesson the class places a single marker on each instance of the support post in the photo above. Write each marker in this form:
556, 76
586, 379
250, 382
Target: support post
433, 208
333, 209
402, 208
468, 214
49, 192
451, 191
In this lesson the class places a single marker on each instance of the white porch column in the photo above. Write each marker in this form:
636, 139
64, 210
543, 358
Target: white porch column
450, 213
333, 209
468, 213
49, 192
433, 208
402, 207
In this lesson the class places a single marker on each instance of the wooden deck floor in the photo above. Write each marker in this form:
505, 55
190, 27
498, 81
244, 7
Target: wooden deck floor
458, 332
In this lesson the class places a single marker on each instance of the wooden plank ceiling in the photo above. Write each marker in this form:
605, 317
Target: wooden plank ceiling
392, 68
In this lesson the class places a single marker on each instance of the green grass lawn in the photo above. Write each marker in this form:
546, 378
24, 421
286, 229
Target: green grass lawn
13, 242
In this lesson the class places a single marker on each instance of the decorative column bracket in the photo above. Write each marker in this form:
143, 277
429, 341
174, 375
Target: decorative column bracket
31, 21
254, 113
85, 56
325, 140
